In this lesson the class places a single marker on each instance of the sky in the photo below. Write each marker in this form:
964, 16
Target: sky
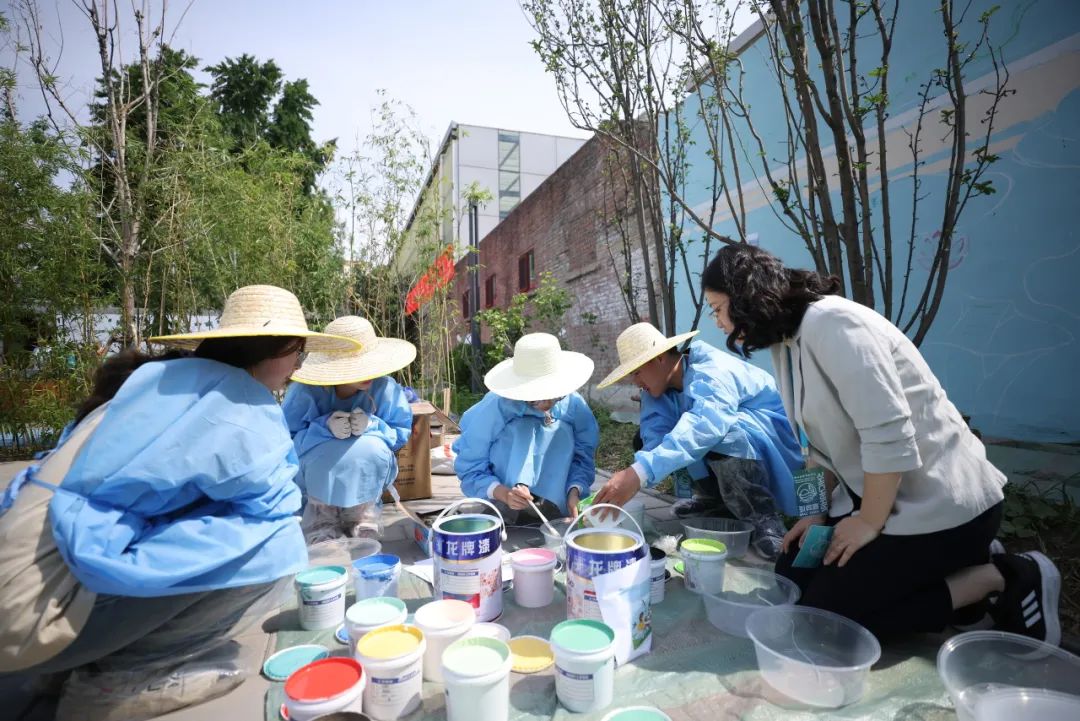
451, 60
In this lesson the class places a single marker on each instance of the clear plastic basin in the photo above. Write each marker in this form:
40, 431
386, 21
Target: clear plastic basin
747, 590
733, 534
1012, 704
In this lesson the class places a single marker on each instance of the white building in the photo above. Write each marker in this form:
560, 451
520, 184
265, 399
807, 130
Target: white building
507, 163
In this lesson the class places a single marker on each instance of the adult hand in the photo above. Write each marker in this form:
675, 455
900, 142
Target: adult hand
338, 424
358, 422
517, 497
798, 531
619, 489
850, 535
572, 499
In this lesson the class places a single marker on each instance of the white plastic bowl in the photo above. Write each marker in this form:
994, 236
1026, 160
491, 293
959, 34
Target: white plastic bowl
816, 657
1014, 704
732, 533
747, 590
976, 663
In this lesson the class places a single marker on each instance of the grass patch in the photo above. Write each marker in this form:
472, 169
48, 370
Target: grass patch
616, 449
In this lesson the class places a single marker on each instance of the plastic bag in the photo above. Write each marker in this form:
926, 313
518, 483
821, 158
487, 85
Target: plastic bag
623, 597
442, 460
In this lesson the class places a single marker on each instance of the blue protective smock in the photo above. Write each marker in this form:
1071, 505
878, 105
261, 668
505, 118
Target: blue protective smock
504, 441
186, 485
349, 471
726, 406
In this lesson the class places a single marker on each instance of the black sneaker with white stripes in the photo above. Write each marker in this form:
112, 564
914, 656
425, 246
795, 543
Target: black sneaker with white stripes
1029, 603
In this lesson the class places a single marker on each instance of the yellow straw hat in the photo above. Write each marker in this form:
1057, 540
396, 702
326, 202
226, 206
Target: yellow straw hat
539, 370
377, 357
637, 345
261, 310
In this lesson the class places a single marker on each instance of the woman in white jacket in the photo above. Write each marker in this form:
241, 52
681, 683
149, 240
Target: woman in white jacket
913, 502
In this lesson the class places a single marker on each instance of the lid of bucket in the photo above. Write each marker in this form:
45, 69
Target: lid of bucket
323, 679
283, 663
319, 575
530, 654
374, 611
533, 557
477, 656
582, 636
703, 545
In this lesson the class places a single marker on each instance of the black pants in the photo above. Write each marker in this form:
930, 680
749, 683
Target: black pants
896, 584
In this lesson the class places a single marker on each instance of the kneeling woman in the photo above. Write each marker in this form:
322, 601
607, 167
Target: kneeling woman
532, 437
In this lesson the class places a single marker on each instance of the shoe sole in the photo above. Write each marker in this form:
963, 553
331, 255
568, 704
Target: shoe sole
1051, 593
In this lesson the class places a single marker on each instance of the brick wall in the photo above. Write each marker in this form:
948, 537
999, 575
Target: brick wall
564, 222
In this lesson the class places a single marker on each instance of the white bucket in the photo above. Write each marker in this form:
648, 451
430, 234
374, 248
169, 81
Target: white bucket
467, 555
477, 673
657, 580
704, 561
370, 614
392, 659
534, 577
324, 687
320, 595
584, 664
442, 622
377, 576
489, 630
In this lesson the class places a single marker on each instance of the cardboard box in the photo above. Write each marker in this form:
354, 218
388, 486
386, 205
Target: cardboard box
414, 459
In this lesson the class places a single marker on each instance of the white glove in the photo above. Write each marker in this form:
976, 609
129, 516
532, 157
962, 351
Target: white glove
358, 421
338, 424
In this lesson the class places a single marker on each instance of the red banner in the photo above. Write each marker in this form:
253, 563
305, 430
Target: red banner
436, 277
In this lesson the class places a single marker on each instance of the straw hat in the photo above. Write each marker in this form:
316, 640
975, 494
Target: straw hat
539, 370
261, 310
637, 345
377, 357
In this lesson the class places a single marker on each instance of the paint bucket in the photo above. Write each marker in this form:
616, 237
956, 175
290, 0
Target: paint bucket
584, 664
703, 564
467, 554
636, 713
377, 576
370, 614
320, 595
657, 573
592, 552
442, 622
477, 673
489, 630
344, 716
392, 657
325, 686
534, 577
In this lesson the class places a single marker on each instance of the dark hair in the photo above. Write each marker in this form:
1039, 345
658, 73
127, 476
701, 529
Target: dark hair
248, 351
111, 374
767, 300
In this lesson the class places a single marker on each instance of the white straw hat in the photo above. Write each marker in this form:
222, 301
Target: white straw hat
261, 310
637, 345
539, 370
377, 357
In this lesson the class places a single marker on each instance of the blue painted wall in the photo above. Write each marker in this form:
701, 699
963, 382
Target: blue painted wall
1006, 341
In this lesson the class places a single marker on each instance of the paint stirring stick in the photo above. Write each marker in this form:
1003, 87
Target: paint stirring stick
551, 528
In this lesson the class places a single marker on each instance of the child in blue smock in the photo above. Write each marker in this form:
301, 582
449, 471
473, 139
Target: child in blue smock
532, 437
348, 419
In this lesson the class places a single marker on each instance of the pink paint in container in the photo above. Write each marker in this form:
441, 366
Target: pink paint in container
534, 577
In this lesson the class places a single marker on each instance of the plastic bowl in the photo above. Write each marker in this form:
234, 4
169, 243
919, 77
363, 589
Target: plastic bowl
816, 657
733, 534
975, 663
1012, 704
554, 541
747, 590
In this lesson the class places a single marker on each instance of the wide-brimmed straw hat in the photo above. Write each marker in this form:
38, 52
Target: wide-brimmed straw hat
377, 356
539, 370
261, 310
639, 344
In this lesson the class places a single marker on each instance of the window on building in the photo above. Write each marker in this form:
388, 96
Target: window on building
489, 292
526, 272
509, 172
466, 310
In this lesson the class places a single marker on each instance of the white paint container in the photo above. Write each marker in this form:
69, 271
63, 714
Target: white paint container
477, 677
370, 614
320, 595
392, 657
442, 622
534, 577
584, 664
489, 630
467, 554
377, 576
657, 571
704, 561
324, 687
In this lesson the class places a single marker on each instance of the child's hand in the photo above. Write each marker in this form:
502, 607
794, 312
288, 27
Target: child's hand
358, 422
850, 535
798, 531
338, 425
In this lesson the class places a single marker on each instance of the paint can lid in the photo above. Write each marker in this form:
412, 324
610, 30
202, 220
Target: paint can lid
283, 663
530, 654
323, 679
582, 636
